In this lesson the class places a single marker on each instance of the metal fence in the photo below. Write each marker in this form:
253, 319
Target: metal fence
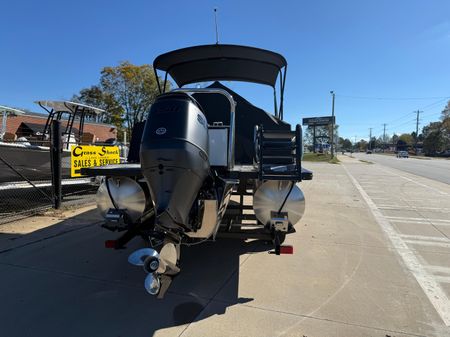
26, 181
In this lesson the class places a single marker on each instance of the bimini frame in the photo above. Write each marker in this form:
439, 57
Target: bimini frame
5, 110
224, 62
58, 109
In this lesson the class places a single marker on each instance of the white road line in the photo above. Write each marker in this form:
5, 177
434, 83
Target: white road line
429, 285
420, 222
400, 218
428, 243
414, 208
438, 269
424, 238
442, 279
415, 182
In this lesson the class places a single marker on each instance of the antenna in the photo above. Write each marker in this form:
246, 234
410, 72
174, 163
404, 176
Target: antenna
217, 30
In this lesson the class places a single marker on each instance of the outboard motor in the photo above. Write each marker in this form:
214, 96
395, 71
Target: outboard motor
174, 157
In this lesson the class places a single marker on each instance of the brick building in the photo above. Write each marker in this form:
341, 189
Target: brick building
15, 124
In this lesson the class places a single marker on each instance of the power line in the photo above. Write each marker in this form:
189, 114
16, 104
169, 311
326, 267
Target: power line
431, 113
400, 118
432, 104
405, 123
394, 98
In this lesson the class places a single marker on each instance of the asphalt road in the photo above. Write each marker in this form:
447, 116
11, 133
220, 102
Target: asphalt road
436, 169
372, 259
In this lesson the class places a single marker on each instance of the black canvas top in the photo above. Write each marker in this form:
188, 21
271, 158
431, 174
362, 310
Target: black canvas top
217, 109
221, 62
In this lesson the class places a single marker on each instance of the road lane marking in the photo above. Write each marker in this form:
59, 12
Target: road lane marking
424, 222
442, 279
429, 285
415, 208
415, 182
428, 243
438, 269
424, 238
401, 218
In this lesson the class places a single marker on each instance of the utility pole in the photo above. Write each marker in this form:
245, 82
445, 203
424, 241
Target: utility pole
418, 112
384, 136
332, 124
370, 138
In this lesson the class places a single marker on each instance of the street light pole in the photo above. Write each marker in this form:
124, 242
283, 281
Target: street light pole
332, 124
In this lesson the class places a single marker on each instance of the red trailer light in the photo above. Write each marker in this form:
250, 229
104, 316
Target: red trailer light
110, 244
286, 249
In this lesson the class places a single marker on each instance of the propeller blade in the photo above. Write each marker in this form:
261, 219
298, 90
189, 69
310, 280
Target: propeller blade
138, 257
152, 284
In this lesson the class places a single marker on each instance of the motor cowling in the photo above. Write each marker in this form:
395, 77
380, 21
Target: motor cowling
174, 156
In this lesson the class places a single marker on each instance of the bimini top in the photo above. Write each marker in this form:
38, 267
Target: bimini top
67, 106
11, 111
221, 62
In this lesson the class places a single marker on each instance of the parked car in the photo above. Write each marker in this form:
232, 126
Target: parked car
369, 152
402, 154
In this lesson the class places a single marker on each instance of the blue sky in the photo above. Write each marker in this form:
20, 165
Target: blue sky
376, 55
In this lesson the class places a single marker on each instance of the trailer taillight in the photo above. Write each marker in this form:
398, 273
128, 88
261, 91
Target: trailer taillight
286, 249
110, 244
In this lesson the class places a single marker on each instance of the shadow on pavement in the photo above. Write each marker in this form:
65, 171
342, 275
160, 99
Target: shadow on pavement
67, 283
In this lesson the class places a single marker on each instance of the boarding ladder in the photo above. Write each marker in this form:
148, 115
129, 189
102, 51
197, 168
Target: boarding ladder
279, 154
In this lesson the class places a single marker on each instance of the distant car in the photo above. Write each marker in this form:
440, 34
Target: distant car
369, 152
402, 154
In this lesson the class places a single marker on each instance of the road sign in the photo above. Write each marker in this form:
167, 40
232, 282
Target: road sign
90, 156
319, 121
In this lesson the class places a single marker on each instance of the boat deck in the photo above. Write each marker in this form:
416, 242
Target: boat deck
134, 170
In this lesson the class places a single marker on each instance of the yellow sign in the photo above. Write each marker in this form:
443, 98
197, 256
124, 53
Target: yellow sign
90, 156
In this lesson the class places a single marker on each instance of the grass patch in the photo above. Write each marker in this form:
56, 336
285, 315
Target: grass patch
334, 160
320, 157
365, 161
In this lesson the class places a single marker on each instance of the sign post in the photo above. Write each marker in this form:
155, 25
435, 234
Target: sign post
318, 121
56, 151
332, 125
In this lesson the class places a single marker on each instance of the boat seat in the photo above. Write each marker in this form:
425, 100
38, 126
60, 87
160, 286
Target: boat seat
9, 137
88, 138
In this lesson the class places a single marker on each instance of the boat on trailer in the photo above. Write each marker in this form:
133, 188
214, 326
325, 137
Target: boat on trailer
30, 159
198, 159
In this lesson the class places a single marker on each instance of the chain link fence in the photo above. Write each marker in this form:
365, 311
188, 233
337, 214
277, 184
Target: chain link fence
26, 185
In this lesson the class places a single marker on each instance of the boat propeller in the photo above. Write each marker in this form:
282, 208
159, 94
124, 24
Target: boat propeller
160, 267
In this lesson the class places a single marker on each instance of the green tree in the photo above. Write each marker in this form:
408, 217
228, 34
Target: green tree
133, 87
394, 139
446, 112
445, 117
434, 140
372, 143
407, 138
126, 92
95, 96
323, 134
347, 144
361, 145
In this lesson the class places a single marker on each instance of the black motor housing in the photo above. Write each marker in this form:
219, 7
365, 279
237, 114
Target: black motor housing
174, 156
